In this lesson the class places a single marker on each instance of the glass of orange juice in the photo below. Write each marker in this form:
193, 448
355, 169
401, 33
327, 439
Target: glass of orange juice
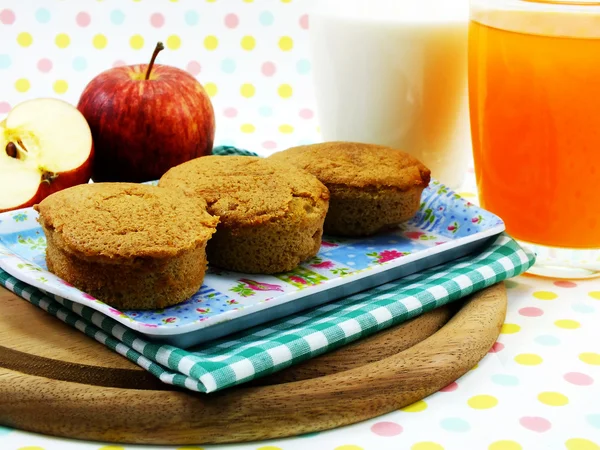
534, 97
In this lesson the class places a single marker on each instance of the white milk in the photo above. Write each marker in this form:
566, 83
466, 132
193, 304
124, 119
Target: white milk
394, 72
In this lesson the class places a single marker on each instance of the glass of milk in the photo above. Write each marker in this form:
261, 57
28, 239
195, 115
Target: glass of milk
394, 72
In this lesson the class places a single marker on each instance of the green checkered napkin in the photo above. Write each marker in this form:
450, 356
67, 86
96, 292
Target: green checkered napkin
273, 346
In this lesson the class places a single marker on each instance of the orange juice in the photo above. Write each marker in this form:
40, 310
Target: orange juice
534, 89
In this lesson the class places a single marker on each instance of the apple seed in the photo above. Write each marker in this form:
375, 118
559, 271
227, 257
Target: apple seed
159, 47
11, 150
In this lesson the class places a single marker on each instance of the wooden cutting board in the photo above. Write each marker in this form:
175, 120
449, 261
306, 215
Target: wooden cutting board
55, 380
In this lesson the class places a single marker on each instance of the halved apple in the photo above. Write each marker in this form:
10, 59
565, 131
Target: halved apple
45, 146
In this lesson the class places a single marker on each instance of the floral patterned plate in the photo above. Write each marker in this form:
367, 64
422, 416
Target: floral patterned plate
445, 228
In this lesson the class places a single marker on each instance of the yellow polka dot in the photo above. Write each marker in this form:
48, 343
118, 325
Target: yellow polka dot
553, 399
211, 89
211, 1
22, 85
247, 90
24, 39
510, 328
590, 358
99, 41
482, 402
112, 447
189, 448
286, 43
248, 1
136, 42
31, 447
285, 91
544, 295
247, 128
286, 129
211, 42
345, 447
426, 446
567, 324
475, 366
173, 1
595, 295
528, 359
269, 447
286, 1
60, 86
62, 40
248, 43
415, 407
505, 445
581, 444
173, 42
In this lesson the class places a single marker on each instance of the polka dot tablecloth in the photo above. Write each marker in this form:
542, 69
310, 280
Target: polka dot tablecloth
538, 388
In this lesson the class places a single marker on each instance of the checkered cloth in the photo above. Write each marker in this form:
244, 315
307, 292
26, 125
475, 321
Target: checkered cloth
268, 348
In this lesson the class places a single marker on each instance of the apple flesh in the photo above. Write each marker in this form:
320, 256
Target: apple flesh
146, 119
45, 146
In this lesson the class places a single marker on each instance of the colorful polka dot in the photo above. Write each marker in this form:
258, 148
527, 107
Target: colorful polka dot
5, 61
44, 65
42, 15
79, 63
578, 378
191, 18
567, 324
590, 358
304, 21
34, 447
7, 17
286, 43
455, 424
268, 69
60, 86
269, 145
582, 308
581, 444
157, 20
284, 91
505, 445
545, 295
24, 39
22, 85
193, 67
119, 63
111, 447
547, 340
136, 42
531, 312
83, 19
553, 398
228, 65
231, 20
62, 40
450, 388
211, 89
595, 295
4, 107
266, 18
528, 359
386, 429
505, 380
427, 446
99, 41
303, 66
173, 42
247, 90
306, 113
248, 128
482, 402
230, 112
248, 43
265, 111
415, 407
269, 447
345, 447
211, 42
565, 284
593, 420
537, 424
117, 17
510, 328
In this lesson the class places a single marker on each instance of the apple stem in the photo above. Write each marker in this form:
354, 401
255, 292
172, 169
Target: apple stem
157, 49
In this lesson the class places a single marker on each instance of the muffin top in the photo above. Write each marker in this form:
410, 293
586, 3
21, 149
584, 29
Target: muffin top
357, 165
246, 190
125, 220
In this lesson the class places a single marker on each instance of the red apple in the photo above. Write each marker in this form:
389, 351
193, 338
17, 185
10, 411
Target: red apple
146, 119
45, 146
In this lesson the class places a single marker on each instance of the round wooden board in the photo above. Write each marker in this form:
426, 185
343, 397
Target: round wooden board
55, 380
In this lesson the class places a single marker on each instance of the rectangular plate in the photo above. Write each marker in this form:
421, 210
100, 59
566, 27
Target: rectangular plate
445, 228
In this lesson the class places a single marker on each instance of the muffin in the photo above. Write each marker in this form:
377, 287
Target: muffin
133, 246
270, 213
372, 187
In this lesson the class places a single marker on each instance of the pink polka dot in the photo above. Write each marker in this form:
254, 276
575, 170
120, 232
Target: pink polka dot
306, 113
7, 17
538, 424
193, 67
531, 311
268, 69
451, 387
269, 145
497, 347
231, 21
230, 112
304, 21
386, 429
470, 170
119, 63
44, 65
4, 107
157, 20
580, 379
83, 19
565, 284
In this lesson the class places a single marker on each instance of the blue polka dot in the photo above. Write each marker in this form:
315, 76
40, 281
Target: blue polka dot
584, 309
79, 63
266, 18
306, 142
117, 17
4, 430
42, 15
455, 424
228, 65
505, 380
191, 18
303, 66
5, 61
265, 111
593, 420
548, 340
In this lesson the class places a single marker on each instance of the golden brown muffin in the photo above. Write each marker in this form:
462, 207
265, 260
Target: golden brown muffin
271, 214
133, 246
372, 187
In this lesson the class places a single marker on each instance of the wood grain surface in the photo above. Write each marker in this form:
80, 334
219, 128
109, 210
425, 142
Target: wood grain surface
57, 381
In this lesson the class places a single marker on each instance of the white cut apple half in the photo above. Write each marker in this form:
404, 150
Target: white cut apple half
45, 146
